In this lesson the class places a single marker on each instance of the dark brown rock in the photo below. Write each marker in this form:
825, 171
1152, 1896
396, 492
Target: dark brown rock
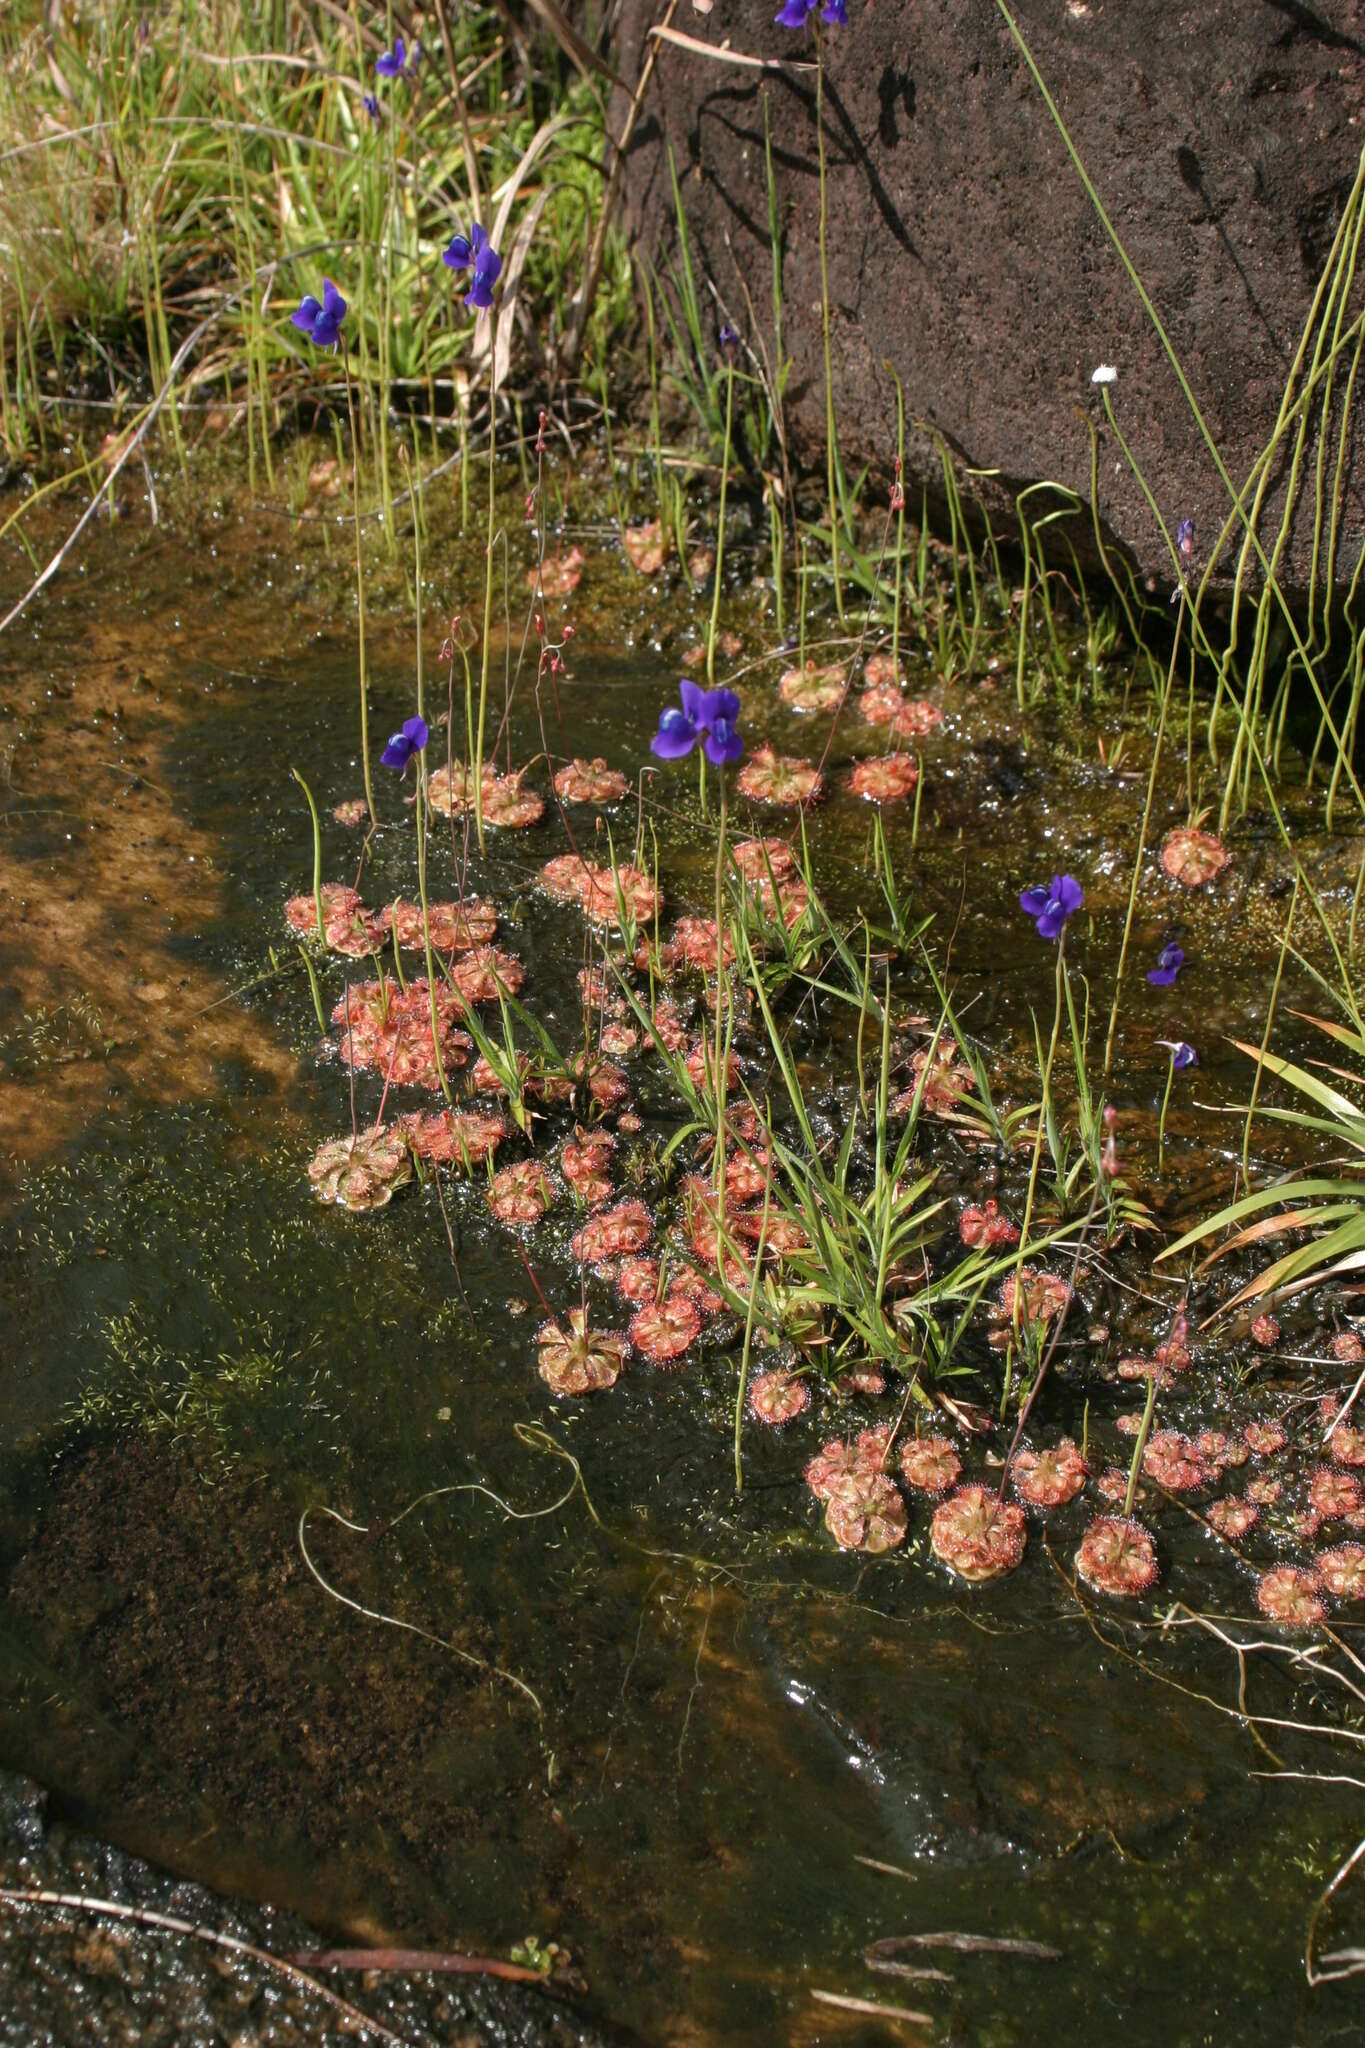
1224, 137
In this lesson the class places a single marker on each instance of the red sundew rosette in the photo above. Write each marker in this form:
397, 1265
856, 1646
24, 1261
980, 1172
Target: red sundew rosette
454, 1137
885, 779
1233, 1520
590, 782
763, 860
693, 940
521, 1193
977, 1535
613, 1234
771, 778
776, 1398
832, 1463
578, 1359
361, 1172
982, 1226
484, 974
1049, 1479
812, 690
1342, 1571
1117, 1556
454, 927
1335, 1493
865, 1511
930, 1464
1173, 1461
1193, 858
662, 1331
1289, 1594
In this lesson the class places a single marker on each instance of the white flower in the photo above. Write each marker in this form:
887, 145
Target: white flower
1105, 374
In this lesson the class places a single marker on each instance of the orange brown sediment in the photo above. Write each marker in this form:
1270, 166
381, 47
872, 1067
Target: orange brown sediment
95, 905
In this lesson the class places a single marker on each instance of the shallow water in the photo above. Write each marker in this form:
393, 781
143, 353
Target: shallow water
661, 1725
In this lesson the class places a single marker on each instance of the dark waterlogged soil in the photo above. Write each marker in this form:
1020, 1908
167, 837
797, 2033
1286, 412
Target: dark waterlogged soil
672, 1731
117, 1979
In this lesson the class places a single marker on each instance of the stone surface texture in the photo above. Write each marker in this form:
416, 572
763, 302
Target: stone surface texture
85, 1979
1223, 136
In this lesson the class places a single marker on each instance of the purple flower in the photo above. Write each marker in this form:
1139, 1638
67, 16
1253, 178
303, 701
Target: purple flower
476, 249
835, 13
706, 715
370, 104
728, 341
321, 323
398, 61
1182, 1055
1169, 962
1184, 538
795, 13
403, 745
1050, 907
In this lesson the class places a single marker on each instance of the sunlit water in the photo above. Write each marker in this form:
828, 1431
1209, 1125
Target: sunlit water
662, 1725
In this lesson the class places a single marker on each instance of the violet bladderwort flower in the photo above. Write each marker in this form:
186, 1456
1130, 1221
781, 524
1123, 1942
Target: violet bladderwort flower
476, 251
398, 62
834, 13
1184, 541
727, 341
1182, 1054
708, 717
1051, 904
1169, 962
370, 104
405, 745
321, 323
795, 13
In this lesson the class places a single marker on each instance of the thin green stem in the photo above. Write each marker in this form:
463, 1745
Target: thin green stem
426, 930
1161, 1127
317, 855
488, 575
1142, 842
1265, 1035
1140, 1446
831, 445
718, 1074
759, 1250
720, 536
1038, 1134
359, 600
